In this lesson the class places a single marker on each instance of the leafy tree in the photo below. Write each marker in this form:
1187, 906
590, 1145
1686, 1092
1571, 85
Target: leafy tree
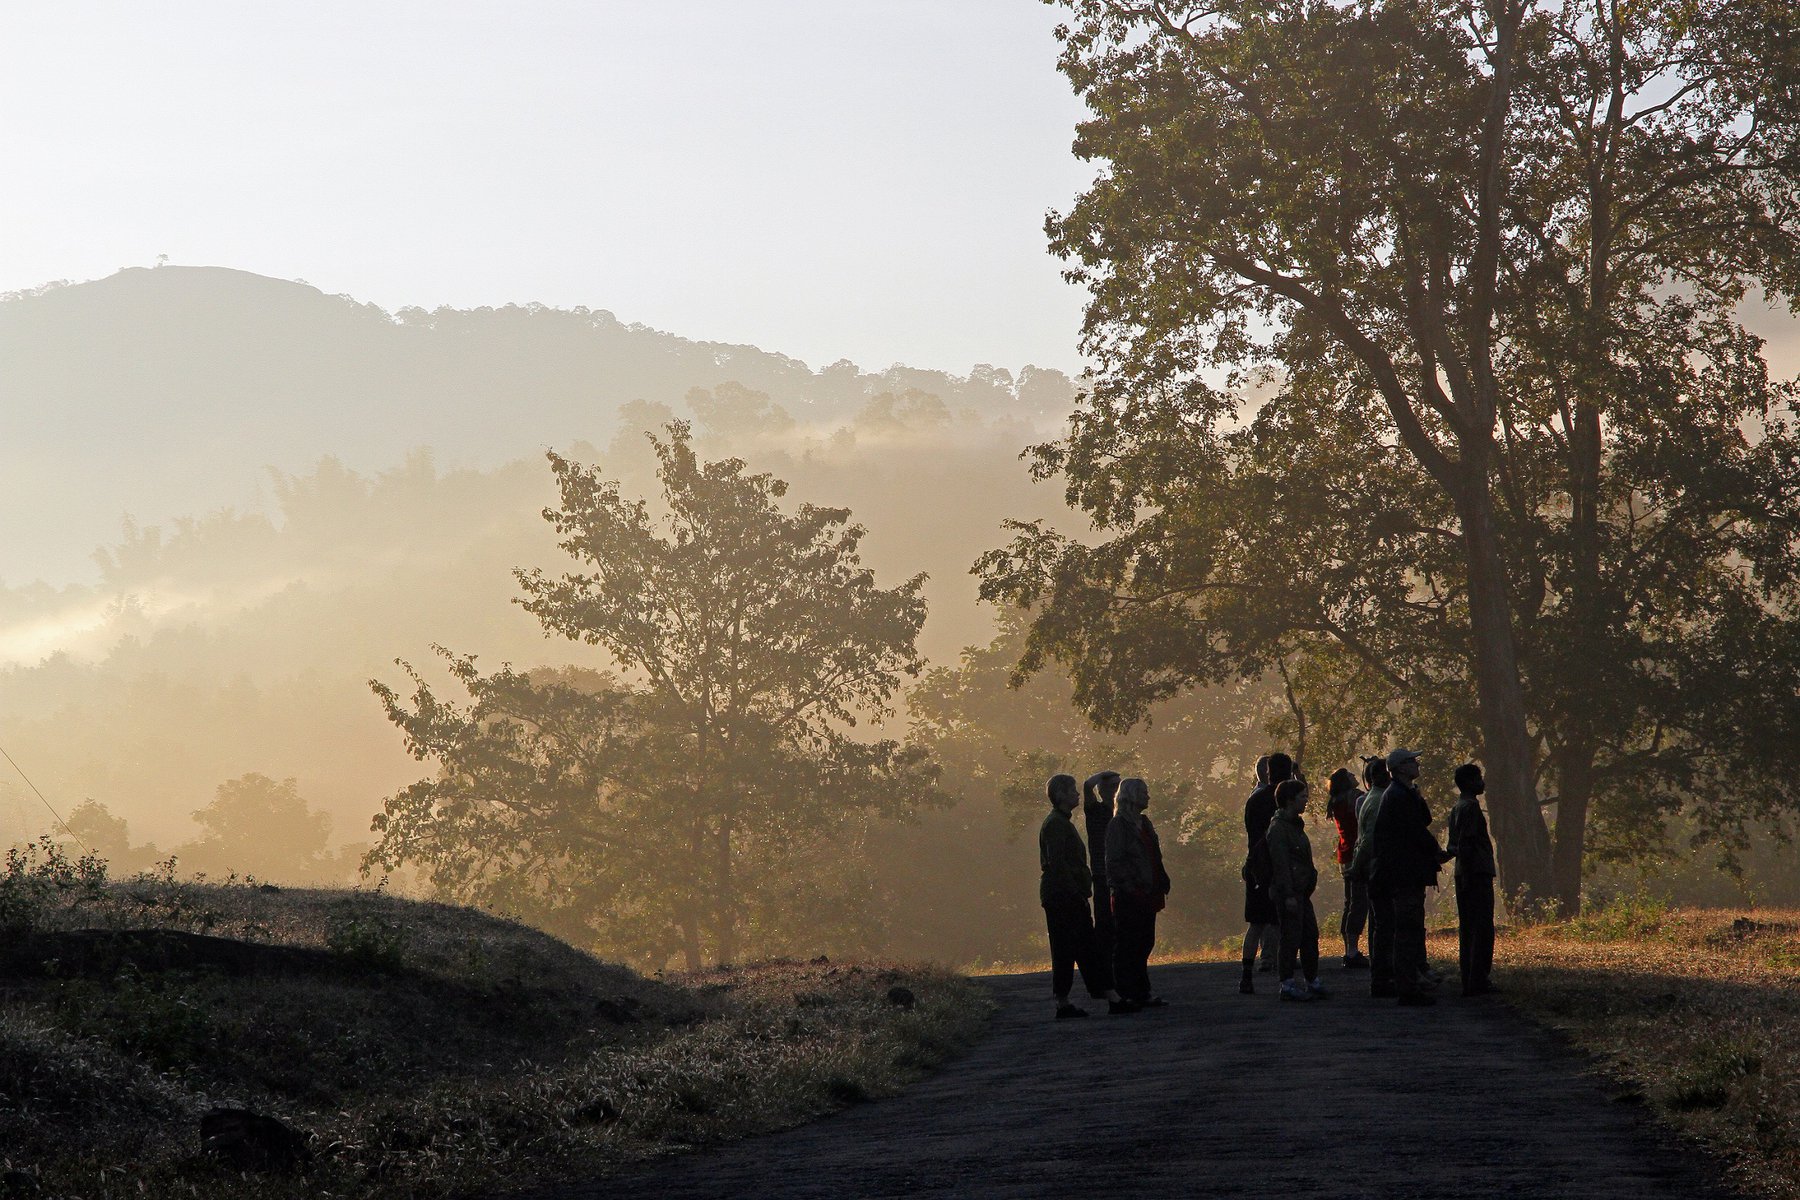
682, 805
262, 827
1518, 479
92, 826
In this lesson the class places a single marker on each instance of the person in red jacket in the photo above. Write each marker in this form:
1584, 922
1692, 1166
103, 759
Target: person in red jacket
1341, 807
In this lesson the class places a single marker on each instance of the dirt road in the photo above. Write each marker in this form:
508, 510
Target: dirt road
1221, 1095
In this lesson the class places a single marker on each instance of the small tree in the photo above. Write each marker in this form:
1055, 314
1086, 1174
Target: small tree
662, 807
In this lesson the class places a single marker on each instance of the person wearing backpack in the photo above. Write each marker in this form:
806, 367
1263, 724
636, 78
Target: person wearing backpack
1063, 888
1291, 888
1260, 915
1097, 795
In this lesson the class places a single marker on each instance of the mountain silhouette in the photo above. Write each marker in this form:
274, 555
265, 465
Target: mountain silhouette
170, 390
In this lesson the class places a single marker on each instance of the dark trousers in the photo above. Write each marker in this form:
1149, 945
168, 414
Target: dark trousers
1102, 975
1475, 929
1299, 940
1072, 945
1356, 911
1134, 936
1409, 938
1381, 940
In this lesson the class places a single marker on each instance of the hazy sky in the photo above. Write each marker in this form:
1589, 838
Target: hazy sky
827, 178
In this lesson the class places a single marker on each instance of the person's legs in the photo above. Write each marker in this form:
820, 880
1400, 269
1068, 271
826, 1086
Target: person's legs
1381, 943
1062, 953
1354, 916
1102, 977
1482, 909
1253, 936
1409, 940
1271, 944
1465, 933
1290, 940
1135, 934
1309, 941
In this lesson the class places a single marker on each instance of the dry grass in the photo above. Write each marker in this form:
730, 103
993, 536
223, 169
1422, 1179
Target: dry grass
445, 1052
1695, 1012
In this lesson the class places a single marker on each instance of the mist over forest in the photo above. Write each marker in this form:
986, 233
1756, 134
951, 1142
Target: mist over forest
290, 490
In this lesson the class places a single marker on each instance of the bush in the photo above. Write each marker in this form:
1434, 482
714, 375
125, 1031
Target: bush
40, 877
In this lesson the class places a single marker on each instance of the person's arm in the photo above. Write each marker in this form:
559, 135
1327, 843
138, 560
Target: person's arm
1453, 831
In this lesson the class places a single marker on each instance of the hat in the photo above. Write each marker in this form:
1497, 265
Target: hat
1396, 757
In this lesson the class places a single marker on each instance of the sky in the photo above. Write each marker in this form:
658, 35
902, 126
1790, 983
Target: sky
863, 180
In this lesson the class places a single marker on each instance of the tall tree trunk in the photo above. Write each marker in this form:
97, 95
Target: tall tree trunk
725, 899
1575, 788
690, 909
1521, 841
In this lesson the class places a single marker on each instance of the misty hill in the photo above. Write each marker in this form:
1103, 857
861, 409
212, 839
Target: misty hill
165, 391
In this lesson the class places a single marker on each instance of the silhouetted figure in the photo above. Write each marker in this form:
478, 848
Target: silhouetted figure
1270, 946
1097, 795
1140, 887
1063, 890
1260, 916
1381, 908
1406, 862
1291, 887
1341, 805
1473, 850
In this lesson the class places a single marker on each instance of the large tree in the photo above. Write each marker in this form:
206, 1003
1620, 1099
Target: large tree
1474, 270
674, 806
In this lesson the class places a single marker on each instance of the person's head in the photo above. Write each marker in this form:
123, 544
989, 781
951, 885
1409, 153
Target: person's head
1281, 767
1375, 772
1262, 770
1469, 781
1065, 793
1291, 795
1109, 785
1403, 764
1342, 782
1134, 797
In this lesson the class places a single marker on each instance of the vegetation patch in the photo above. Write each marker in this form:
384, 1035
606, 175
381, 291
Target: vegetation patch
1693, 1011
405, 1048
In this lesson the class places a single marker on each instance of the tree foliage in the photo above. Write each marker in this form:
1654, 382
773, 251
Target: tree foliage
711, 795
1421, 373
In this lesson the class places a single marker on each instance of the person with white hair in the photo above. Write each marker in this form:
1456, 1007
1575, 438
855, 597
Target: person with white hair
1140, 886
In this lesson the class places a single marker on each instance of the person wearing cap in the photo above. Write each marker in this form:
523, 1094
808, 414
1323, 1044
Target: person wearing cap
1381, 910
1343, 799
1469, 843
1260, 916
1097, 809
1140, 887
1063, 889
1291, 887
1406, 859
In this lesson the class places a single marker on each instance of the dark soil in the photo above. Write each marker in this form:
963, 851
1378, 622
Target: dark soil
1222, 1095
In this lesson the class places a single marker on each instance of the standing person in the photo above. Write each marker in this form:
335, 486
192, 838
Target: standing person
1291, 887
1406, 862
1381, 908
1063, 891
1097, 810
1271, 935
1344, 799
1473, 849
1260, 917
1140, 885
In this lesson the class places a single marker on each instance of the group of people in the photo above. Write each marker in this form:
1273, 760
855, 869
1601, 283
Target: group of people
1121, 868
1389, 857
1386, 851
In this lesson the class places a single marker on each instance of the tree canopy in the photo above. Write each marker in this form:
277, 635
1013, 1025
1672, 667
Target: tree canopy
699, 800
1421, 372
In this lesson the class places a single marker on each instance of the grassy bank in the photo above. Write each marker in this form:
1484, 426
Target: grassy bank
1693, 1012
422, 1050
